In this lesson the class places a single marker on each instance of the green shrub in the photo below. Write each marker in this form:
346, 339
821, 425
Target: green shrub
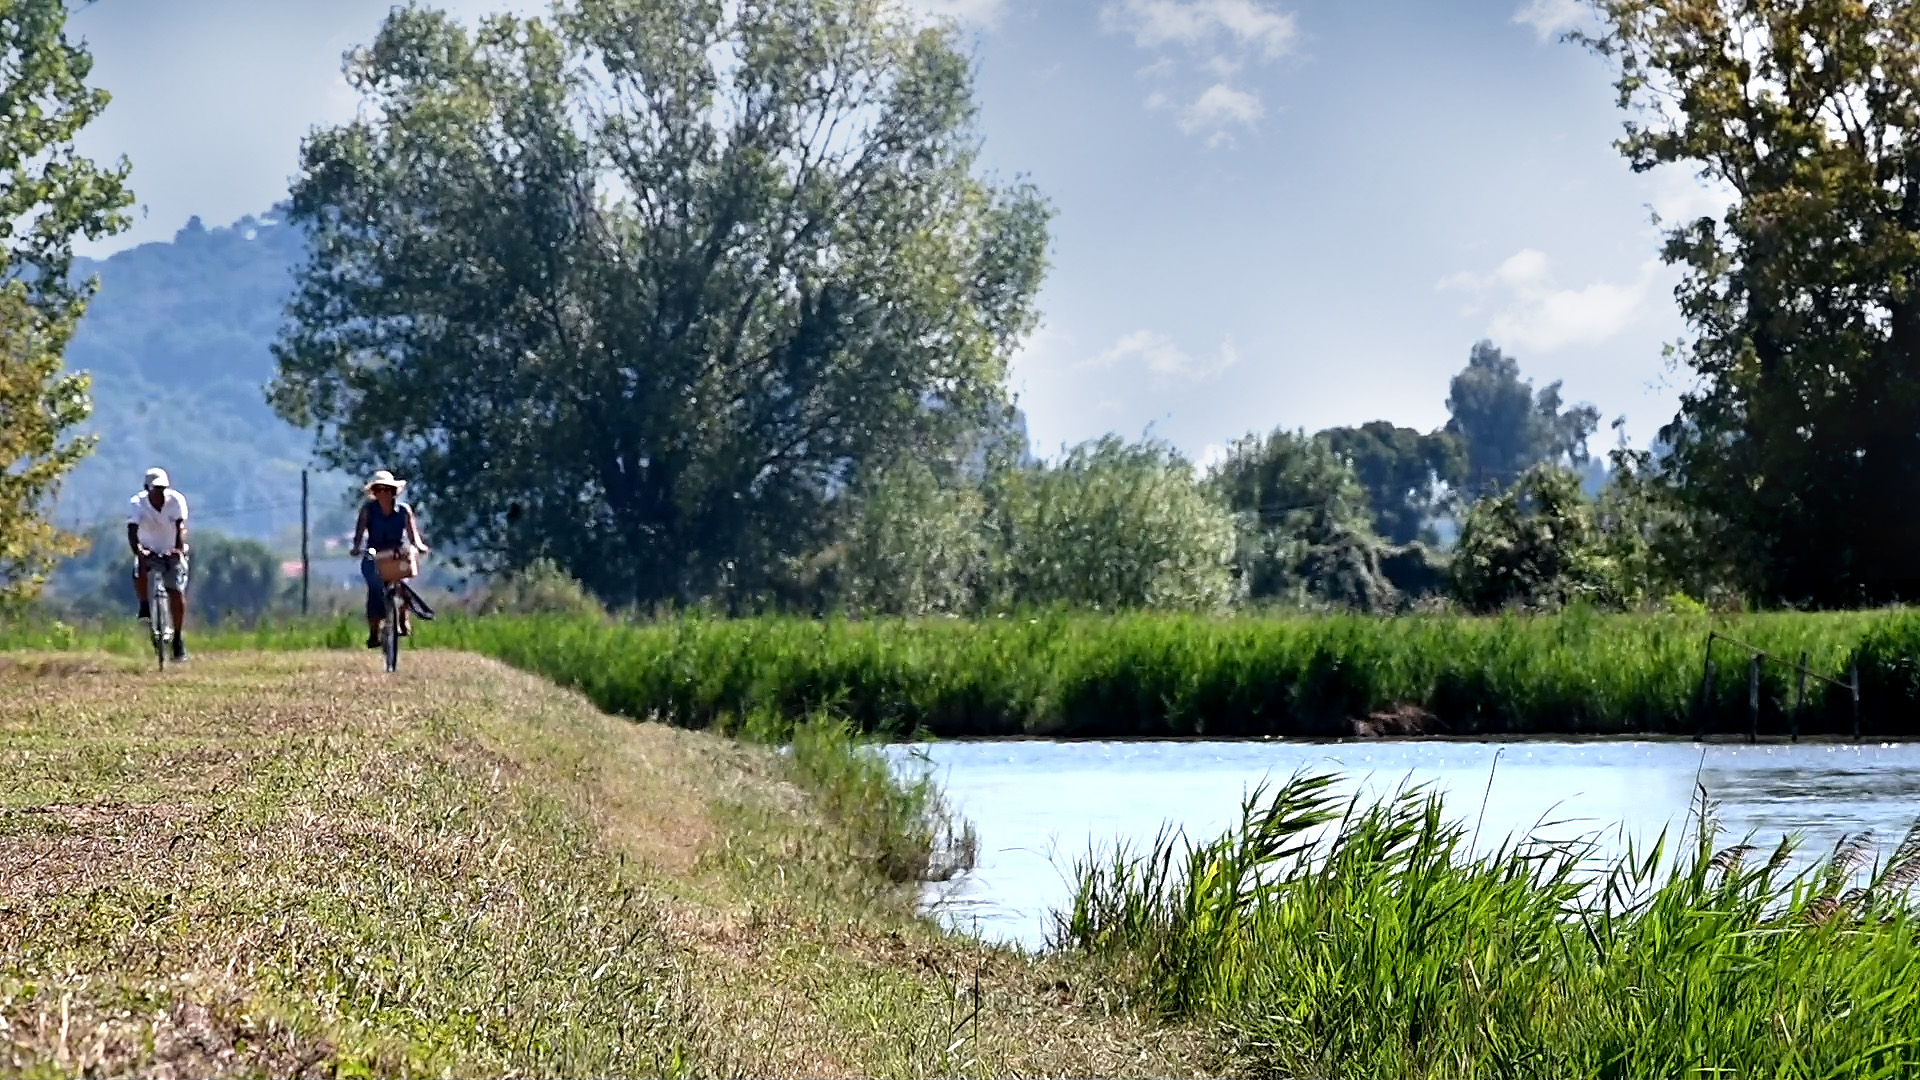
1535, 545
542, 588
917, 544
1114, 526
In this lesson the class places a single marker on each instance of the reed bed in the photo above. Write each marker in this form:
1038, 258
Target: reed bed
1364, 940
1147, 675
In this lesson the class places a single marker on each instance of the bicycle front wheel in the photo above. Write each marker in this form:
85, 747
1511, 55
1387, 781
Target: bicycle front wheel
390, 631
162, 620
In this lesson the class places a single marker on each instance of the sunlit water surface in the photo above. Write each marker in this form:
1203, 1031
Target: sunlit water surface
1037, 805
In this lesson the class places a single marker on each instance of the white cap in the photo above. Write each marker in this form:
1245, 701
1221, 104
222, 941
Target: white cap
157, 478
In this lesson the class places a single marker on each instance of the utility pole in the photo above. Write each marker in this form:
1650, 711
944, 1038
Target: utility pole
306, 564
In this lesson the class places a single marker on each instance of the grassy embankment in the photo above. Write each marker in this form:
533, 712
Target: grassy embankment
1164, 675
1383, 946
289, 864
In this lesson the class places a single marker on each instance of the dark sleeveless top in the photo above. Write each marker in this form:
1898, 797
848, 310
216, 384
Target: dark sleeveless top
386, 531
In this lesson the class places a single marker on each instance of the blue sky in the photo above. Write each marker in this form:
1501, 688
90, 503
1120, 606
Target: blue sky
1294, 213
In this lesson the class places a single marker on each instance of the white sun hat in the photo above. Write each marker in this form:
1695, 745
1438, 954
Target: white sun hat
158, 478
383, 478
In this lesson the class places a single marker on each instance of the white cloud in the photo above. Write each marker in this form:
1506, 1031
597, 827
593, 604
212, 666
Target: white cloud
1157, 353
1219, 39
1223, 66
1221, 107
1551, 18
1201, 23
1529, 312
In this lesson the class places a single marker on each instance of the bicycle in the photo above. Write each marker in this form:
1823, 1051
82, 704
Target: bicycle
160, 623
395, 568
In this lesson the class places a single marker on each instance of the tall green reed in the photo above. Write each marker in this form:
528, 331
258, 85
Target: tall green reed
1371, 940
1147, 675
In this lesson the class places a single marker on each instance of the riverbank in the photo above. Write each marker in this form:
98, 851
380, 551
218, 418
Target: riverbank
1158, 676
291, 864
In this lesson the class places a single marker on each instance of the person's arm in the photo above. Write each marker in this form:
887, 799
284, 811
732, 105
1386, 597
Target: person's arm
359, 528
180, 529
413, 530
133, 539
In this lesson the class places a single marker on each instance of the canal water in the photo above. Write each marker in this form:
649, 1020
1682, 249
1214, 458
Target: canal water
1037, 805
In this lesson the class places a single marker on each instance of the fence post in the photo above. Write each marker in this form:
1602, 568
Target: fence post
1706, 703
1800, 695
1855, 682
1753, 699
306, 563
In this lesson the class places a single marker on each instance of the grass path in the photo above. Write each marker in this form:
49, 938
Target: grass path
288, 864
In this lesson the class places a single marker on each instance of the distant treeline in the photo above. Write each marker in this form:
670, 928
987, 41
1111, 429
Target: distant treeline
1344, 519
230, 578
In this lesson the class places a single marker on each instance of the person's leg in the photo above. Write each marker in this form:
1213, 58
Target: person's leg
177, 606
376, 601
176, 584
140, 587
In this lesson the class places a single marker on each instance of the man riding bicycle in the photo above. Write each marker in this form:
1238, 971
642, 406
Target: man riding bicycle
157, 533
388, 526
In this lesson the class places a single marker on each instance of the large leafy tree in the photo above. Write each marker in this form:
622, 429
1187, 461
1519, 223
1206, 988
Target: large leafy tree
1505, 427
49, 195
642, 288
1403, 472
1305, 529
1800, 434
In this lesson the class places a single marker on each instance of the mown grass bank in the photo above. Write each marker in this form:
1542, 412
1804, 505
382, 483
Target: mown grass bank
290, 864
1385, 946
1166, 675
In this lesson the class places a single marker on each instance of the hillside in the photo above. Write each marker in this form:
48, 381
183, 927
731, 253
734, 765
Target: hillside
178, 341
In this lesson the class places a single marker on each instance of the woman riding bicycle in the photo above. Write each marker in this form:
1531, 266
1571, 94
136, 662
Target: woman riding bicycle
389, 528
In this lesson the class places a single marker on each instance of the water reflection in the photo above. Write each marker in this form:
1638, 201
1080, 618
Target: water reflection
1037, 805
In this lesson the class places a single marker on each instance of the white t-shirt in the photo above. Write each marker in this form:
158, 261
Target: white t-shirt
157, 532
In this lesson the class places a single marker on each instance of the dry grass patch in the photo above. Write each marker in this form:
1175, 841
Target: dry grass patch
54, 665
291, 864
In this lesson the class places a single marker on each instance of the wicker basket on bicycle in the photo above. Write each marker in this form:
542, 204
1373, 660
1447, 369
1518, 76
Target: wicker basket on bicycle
397, 565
